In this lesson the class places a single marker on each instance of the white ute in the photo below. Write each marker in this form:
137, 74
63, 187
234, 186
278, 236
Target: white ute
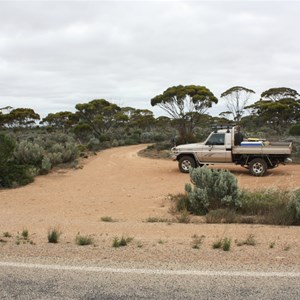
220, 148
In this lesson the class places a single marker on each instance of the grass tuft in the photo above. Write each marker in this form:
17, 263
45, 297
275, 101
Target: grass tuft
184, 217
250, 241
107, 219
83, 240
25, 234
197, 241
54, 235
7, 234
217, 244
224, 243
121, 242
157, 220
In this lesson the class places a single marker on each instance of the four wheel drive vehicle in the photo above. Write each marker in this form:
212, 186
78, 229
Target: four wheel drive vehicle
219, 148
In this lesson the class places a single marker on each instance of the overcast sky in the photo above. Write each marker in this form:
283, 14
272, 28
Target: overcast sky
56, 54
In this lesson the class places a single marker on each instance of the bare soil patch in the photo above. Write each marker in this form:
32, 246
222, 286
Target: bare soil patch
119, 184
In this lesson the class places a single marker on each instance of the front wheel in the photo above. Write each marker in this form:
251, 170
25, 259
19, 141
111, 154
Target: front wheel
258, 167
185, 163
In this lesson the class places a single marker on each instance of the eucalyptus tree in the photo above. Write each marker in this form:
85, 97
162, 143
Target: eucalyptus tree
236, 98
278, 108
100, 116
276, 94
185, 104
21, 117
60, 120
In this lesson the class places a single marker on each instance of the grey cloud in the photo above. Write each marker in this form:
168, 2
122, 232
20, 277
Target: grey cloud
56, 54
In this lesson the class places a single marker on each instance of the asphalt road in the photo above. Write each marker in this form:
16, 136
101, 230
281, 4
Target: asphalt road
25, 281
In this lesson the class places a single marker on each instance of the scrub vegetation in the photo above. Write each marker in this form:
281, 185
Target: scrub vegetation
215, 194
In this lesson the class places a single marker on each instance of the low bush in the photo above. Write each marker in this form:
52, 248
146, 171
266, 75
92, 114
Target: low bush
181, 202
272, 206
54, 235
215, 194
295, 130
183, 216
83, 240
12, 173
224, 243
121, 242
7, 234
212, 189
29, 153
221, 215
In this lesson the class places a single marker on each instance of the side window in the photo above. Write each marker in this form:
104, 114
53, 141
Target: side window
216, 139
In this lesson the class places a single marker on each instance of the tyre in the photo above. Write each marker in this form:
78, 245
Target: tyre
185, 163
258, 167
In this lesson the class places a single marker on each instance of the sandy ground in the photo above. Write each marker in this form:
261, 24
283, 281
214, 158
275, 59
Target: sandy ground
120, 184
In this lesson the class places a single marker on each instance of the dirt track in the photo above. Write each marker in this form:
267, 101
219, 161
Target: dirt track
120, 184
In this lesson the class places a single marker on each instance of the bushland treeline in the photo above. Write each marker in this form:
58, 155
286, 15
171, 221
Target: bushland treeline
30, 145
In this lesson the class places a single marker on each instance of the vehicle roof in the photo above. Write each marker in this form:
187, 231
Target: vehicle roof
222, 131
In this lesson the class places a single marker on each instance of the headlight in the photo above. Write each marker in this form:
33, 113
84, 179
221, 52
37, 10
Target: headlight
174, 150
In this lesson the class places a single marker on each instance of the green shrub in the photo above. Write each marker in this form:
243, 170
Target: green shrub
272, 206
54, 235
212, 189
46, 166
29, 153
55, 158
122, 242
217, 244
83, 240
94, 144
262, 202
7, 146
7, 234
226, 244
181, 202
131, 141
295, 130
12, 173
25, 234
293, 207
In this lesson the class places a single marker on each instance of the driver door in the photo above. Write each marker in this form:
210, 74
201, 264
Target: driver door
214, 149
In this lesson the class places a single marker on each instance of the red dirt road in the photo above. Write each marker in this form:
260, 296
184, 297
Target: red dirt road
120, 184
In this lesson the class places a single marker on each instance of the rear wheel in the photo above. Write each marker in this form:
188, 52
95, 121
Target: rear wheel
258, 167
185, 163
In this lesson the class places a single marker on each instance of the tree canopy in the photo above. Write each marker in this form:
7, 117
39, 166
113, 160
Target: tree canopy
278, 108
184, 104
64, 119
275, 94
20, 117
237, 98
100, 115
